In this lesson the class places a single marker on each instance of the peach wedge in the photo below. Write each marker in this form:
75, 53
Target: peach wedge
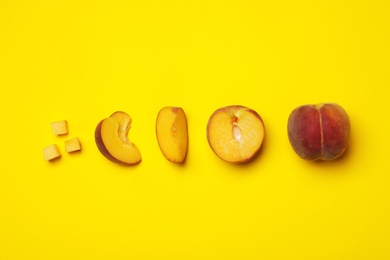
111, 137
172, 133
235, 133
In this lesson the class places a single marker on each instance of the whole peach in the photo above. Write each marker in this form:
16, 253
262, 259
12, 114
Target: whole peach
319, 132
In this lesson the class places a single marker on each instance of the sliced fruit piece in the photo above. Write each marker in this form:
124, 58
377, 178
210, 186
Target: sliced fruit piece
72, 145
172, 133
235, 133
51, 152
111, 137
60, 127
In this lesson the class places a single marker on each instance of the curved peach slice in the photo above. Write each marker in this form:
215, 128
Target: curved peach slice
111, 137
235, 133
172, 133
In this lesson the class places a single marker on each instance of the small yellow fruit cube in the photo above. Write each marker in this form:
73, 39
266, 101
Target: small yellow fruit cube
72, 145
51, 152
60, 127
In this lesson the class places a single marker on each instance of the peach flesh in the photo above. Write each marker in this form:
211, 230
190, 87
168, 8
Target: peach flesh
172, 133
319, 132
235, 133
112, 141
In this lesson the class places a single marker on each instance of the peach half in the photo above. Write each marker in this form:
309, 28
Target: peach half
111, 137
172, 133
319, 132
235, 133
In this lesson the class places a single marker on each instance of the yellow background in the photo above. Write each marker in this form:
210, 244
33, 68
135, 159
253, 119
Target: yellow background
83, 60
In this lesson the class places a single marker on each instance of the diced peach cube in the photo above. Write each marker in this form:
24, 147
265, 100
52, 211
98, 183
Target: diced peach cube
51, 152
72, 145
60, 127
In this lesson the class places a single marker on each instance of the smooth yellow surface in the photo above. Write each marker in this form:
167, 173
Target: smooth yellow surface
139, 56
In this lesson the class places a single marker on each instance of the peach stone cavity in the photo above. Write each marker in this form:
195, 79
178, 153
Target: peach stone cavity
235, 133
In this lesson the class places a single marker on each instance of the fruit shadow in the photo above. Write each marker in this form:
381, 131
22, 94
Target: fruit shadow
333, 169
75, 153
55, 160
342, 159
